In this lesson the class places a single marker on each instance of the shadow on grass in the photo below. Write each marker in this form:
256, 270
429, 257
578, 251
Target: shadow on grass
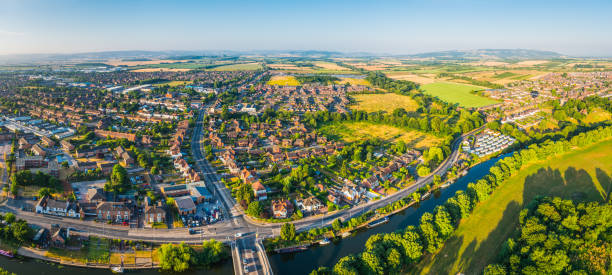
574, 184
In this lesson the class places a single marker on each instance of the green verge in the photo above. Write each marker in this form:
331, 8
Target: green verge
581, 175
457, 93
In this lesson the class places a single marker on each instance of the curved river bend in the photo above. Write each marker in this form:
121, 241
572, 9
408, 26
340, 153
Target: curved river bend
301, 263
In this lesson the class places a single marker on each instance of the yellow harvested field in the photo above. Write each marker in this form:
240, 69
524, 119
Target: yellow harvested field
410, 77
148, 70
283, 80
355, 131
488, 63
353, 81
597, 115
119, 62
174, 83
528, 63
384, 102
331, 66
284, 66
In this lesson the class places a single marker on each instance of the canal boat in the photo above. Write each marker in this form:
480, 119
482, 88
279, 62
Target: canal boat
346, 234
292, 249
378, 222
424, 197
6, 253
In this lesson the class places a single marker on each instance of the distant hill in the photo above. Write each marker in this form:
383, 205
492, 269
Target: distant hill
490, 54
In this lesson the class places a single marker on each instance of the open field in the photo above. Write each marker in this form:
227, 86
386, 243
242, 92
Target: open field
399, 75
330, 66
283, 80
238, 67
354, 131
457, 93
174, 83
148, 70
353, 81
506, 76
384, 102
597, 115
581, 175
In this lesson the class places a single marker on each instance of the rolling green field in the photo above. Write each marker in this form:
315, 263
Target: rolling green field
457, 93
581, 175
354, 131
384, 102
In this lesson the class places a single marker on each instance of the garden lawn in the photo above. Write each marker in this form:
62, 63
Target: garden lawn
581, 175
354, 131
384, 102
457, 93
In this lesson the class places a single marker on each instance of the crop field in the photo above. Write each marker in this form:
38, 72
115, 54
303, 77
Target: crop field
354, 131
353, 81
420, 79
330, 66
238, 67
283, 80
384, 102
581, 175
457, 93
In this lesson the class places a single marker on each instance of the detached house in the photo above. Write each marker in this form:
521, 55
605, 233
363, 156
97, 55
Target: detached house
282, 208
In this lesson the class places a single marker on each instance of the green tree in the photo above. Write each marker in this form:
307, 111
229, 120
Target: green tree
177, 258
287, 232
337, 225
118, 180
255, 209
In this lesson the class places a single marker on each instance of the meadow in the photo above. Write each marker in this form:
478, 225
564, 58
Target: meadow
581, 175
355, 131
383, 102
457, 93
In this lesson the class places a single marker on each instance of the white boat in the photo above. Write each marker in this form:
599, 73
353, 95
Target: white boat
117, 269
424, 197
324, 241
346, 234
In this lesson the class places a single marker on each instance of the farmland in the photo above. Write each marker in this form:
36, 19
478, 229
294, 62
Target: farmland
353, 81
384, 102
238, 67
355, 131
581, 175
283, 80
457, 93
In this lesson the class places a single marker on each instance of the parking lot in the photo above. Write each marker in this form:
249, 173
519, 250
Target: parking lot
206, 213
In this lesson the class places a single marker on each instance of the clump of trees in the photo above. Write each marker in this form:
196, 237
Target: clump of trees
322, 79
181, 257
557, 237
389, 253
13, 230
118, 182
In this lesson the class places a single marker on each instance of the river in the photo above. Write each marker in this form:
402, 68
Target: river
291, 263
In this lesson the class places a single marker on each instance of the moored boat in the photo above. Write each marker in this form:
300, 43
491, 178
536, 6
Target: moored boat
6, 253
324, 241
378, 222
292, 249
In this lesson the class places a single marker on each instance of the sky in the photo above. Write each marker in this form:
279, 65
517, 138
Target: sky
577, 28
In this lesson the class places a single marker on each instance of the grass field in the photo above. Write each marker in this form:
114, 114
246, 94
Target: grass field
283, 80
581, 175
238, 67
457, 93
597, 115
384, 102
174, 83
354, 131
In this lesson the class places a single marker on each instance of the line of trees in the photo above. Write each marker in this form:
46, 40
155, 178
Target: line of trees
394, 252
557, 237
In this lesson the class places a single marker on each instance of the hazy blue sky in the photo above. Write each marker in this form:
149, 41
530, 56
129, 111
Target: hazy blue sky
580, 27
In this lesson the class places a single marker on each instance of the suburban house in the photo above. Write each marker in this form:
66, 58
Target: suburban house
282, 208
113, 211
46, 205
154, 213
309, 205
